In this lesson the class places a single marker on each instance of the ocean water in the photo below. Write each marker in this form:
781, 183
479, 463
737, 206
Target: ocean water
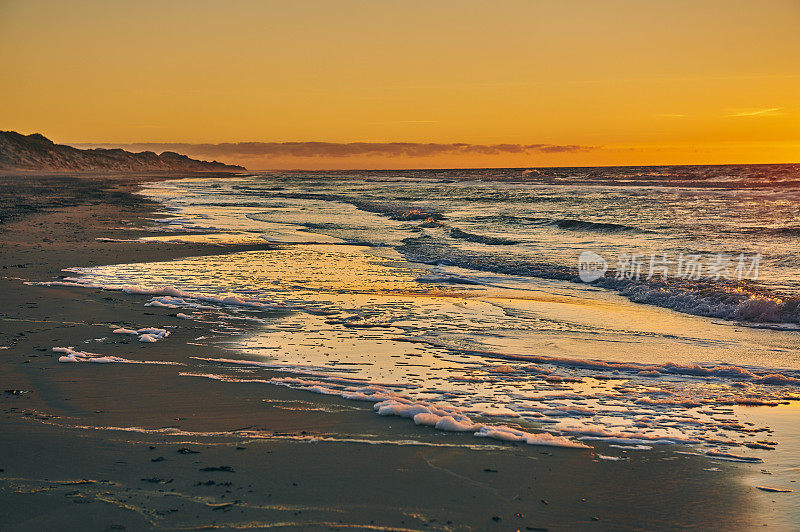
454, 298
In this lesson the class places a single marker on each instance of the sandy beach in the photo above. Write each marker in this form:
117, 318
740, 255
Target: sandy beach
419, 266
129, 446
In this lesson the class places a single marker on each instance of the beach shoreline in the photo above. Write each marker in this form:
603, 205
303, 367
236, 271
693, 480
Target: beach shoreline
81, 442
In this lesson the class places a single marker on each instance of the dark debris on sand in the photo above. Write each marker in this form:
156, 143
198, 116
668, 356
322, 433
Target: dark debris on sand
224, 468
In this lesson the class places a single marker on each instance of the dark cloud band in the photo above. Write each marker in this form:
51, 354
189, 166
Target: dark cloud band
334, 149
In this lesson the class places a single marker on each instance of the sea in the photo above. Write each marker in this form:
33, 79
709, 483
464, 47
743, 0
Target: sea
633, 306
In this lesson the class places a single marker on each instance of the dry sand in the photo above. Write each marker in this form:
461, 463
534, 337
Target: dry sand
192, 469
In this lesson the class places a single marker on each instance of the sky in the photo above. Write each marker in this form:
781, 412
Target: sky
325, 84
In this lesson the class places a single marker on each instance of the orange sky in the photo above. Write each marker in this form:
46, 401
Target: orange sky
630, 82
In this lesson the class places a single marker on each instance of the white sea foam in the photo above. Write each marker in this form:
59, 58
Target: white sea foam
157, 303
176, 294
542, 438
248, 435
774, 490
146, 334
632, 447
626, 435
70, 355
391, 403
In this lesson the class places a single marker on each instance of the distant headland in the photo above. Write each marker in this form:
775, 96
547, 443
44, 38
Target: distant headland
35, 152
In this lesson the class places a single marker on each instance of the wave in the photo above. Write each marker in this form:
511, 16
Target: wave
730, 176
174, 297
788, 231
730, 372
411, 212
482, 239
389, 402
601, 227
736, 301
567, 224
395, 211
714, 299
778, 231
791, 230
472, 414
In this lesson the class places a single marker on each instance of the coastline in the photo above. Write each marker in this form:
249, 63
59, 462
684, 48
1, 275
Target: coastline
284, 480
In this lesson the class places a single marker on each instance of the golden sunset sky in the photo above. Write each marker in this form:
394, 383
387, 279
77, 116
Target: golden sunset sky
577, 82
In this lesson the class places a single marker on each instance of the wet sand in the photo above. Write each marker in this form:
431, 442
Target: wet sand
113, 446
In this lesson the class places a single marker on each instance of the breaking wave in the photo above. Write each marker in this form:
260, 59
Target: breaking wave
737, 301
602, 227
482, 239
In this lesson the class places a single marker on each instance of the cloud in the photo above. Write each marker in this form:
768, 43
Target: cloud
334, 149
772, 111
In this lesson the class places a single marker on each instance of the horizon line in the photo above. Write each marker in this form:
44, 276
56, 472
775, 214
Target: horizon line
512, 167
